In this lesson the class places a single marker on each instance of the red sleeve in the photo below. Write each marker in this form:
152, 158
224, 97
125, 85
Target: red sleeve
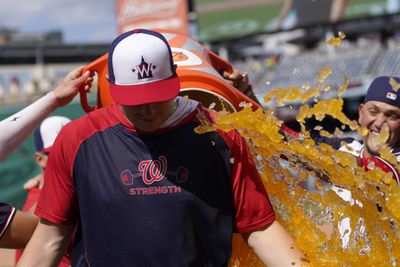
31, 198
253, 208
382, 164
57, 201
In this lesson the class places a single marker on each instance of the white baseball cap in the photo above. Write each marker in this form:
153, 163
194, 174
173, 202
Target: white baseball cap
46, 133
141, 69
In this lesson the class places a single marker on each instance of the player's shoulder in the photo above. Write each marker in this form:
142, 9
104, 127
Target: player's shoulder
90, 123
231, 137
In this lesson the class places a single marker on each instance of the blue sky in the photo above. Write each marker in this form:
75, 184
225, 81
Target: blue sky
81, 21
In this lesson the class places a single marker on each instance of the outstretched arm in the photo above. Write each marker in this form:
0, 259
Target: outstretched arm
17, 127
275, 247
48, 244
20, 230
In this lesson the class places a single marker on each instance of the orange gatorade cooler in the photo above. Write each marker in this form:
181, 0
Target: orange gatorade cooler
198, 70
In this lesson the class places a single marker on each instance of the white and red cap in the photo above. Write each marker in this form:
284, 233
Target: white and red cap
141, 69
46, 133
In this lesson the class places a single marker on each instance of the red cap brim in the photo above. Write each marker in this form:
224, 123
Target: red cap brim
133, 95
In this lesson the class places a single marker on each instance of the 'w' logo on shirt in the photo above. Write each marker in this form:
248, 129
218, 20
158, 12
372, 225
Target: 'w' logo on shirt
154, 170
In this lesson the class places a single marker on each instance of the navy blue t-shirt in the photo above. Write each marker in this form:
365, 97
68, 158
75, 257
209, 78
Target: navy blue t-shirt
162, 199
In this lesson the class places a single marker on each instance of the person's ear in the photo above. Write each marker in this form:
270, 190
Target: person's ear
40, 160
360, 112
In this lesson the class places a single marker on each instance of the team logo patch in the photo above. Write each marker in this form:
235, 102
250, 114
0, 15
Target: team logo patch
150, 172
179, 56
391, 96
144, 70
154, 171
184, 57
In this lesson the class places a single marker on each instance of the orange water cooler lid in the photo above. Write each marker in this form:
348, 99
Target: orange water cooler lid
198, 70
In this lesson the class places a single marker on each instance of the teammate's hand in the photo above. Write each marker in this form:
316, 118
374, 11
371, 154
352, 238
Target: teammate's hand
69, 86
36, 182
238, 79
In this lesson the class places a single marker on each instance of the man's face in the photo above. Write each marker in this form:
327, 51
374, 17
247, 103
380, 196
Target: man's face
41, 159
149, 117
374, 115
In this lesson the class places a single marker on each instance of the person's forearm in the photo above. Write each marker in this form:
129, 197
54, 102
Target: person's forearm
275, 247
47, 245
250, 94
20, 231
16, 128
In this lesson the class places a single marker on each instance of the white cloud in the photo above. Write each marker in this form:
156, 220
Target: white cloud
80, 20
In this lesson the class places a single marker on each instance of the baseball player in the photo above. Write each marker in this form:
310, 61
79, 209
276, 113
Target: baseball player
143, 187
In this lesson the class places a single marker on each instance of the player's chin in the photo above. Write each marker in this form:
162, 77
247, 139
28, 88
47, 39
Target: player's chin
373, 149
148, 126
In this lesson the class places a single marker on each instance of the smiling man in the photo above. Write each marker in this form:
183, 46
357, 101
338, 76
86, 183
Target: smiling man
380, 115
381, 112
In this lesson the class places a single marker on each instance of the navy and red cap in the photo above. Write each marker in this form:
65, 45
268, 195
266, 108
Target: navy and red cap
384, 89
141, 69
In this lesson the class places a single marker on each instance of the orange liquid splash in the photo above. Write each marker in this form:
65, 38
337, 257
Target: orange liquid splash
308, 213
